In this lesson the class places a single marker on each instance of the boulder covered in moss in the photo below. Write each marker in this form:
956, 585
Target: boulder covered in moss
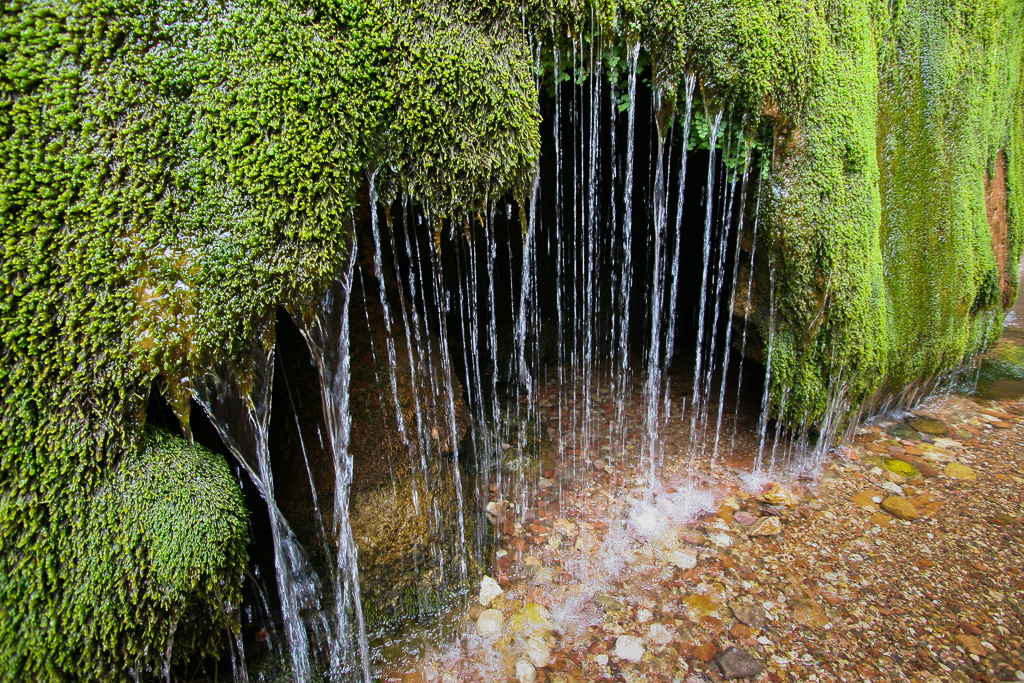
155, 561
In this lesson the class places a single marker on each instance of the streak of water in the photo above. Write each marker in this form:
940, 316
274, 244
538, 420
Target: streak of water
327, 335
237, 402
697, 402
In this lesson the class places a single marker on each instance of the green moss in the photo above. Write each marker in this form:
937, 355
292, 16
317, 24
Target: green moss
903, 469
151, 559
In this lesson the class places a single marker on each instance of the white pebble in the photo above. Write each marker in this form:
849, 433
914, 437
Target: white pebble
629, 648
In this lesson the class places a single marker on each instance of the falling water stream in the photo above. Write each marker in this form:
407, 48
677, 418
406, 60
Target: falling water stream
572, 325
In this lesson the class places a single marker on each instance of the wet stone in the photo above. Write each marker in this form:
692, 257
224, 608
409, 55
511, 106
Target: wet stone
903, 469
955, 470
751, 615
538, 648
901, 430
608, 604
777, 494
929, 425
900, 508
489, 589
737, 663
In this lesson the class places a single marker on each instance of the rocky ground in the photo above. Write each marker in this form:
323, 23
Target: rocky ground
902, 561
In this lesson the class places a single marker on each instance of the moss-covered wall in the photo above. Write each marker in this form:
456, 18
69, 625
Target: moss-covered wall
172, 172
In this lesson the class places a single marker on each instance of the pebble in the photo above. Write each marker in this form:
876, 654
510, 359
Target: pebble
684, 559
490, 622
744, 518
955, 470
525, 673
737, 663
721, 540
489, 589
538, 648
629, 648
766, 526
901, 508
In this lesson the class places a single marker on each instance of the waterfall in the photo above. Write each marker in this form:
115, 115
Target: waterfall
561, 335
327, 335
238, 403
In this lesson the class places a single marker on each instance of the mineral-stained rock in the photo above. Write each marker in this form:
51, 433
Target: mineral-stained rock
901, 508
971, 644
701, 605
955, 470
929, 425
878, 519
749, 614
777, 494
736, 663
766, 526
706, 651
810, 614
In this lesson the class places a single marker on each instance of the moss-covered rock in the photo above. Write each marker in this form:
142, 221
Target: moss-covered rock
172, 173
153, 562
904, 469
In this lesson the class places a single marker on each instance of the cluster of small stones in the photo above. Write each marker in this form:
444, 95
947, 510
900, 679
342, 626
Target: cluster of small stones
903, 561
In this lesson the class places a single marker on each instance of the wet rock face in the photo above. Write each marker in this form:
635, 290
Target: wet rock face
410, 509
409, 502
